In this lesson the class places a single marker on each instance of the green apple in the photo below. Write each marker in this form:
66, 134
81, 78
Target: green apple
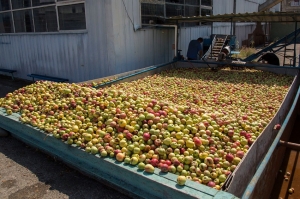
181, 180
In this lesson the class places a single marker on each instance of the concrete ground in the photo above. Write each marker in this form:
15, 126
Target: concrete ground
27, 173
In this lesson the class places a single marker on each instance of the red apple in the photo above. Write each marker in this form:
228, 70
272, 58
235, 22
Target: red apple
229, 157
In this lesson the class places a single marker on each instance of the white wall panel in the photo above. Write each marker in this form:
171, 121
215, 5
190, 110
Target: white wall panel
111, 44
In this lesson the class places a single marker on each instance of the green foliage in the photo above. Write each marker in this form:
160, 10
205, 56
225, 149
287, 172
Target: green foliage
245, 52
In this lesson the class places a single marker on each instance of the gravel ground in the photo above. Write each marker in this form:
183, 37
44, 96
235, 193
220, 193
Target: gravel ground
27, 173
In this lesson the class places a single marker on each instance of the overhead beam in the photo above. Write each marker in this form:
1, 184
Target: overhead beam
268, 4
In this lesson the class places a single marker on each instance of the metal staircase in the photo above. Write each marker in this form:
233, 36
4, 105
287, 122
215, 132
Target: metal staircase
288, 55
216, 47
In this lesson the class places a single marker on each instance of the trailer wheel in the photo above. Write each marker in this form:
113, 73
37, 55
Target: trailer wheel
271, 58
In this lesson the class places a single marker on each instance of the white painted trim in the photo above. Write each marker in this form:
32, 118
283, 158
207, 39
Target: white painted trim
56, 5
53, 4
46, 33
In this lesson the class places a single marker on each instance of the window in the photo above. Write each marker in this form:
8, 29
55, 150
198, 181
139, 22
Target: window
155, 11
295, 3
16, 4
175, 1
206, 2
72, 17
6, 23
23, 21
192, 11
206, 12
45, 19
192, 2
4, 5
18, 16
174, 10
42, 2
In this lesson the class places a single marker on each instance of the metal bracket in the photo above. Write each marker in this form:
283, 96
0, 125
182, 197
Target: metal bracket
290, 145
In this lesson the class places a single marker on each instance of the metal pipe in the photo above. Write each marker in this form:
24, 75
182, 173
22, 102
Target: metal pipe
133, 74
271, 150
234, 11
295, 42
290, 145
231, 27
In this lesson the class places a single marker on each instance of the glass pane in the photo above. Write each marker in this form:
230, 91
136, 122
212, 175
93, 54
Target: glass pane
23, 21
152, 9
152, 20
206, 2
174, 10
45, 19
192, 2
20, 4
192, 11
6, 23
205, 12
4, 5
175, 1
42, 2
72, 17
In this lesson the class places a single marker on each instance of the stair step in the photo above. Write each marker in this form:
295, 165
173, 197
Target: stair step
292, 56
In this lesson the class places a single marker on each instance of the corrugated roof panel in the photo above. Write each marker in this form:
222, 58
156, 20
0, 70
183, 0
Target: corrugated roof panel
245, 17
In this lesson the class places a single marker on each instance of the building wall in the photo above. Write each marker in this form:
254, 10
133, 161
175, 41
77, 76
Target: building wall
110, 45
280, 30
290, 5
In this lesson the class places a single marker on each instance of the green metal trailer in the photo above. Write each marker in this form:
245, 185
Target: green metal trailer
245, 182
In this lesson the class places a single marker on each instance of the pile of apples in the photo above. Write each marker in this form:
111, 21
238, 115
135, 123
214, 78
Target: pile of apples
98, 83
191, 122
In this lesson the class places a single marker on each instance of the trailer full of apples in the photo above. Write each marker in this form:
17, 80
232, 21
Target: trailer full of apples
191, 122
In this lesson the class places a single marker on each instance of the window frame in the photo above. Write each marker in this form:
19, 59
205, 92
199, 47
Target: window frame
56, 4
185, 4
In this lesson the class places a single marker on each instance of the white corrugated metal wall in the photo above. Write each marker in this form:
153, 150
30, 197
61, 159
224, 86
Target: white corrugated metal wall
109, 45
